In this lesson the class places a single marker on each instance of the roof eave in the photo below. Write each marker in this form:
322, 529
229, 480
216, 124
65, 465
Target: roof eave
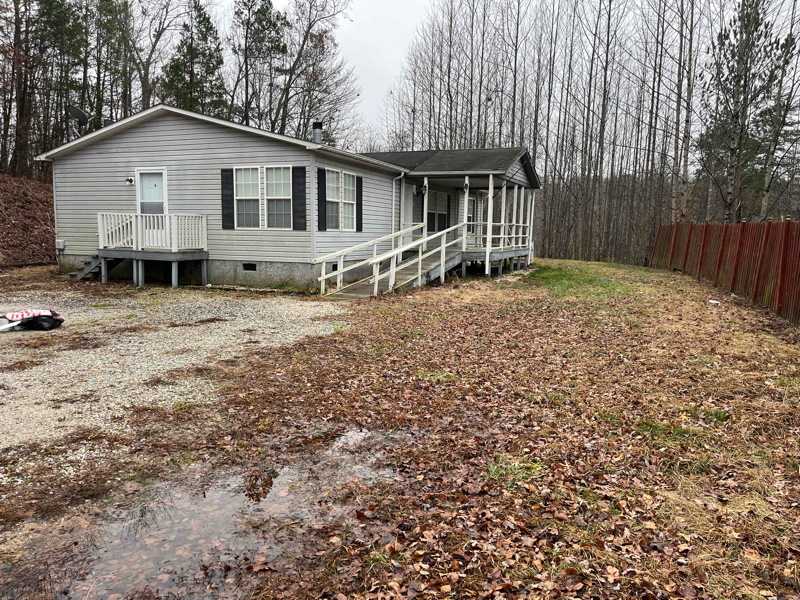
454, 173
360, 158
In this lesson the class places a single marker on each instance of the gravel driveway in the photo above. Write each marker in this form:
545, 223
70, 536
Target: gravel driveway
129, 349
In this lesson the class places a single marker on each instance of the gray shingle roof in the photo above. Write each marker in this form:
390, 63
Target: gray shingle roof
458, 161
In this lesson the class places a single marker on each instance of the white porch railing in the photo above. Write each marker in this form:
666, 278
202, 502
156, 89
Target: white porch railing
508, 236
341, 254
171, 233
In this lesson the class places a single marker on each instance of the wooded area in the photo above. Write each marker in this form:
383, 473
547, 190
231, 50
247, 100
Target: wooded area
636, 114
278, 70
639, 113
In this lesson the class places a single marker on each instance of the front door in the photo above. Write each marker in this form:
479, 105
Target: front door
151, 193
153, 201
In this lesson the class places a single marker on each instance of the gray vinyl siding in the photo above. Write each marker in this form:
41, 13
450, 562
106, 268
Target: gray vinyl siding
377, 212
92, 180
516, 175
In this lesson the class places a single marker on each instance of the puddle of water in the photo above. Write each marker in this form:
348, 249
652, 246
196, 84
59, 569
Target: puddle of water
178, 542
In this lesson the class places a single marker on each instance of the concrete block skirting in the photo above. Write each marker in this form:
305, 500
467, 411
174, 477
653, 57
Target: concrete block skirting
300, 276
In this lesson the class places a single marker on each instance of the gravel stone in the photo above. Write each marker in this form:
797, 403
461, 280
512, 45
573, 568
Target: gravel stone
70, 384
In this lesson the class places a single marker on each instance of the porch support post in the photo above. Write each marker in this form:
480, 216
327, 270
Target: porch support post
516, 220
466, 205
174, 274
204, 271
531, 213
425, 213
135, 273
489, 215
104, 270
140, 274
402, 211
503, 217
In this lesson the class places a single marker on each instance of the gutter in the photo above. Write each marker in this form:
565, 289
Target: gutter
452, 173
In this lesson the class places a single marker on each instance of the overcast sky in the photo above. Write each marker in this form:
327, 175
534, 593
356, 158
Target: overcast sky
374, 40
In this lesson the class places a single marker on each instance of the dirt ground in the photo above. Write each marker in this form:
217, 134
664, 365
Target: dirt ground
573, 431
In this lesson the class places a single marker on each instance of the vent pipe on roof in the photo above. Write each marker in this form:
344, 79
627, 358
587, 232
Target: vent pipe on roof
317, 132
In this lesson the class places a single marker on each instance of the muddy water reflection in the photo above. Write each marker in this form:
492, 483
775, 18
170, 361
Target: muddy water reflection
179, 540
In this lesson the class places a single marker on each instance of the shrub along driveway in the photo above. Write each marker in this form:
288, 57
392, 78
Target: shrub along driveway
575, 431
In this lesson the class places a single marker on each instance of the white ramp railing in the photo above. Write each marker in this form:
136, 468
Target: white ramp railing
340, 255
170, 233
420, 245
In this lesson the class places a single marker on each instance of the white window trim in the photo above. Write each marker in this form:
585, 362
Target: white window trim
341, 201
236, 200
145, 170
354, 202
267, 199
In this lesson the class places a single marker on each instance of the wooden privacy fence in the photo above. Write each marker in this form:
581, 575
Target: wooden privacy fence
759, 261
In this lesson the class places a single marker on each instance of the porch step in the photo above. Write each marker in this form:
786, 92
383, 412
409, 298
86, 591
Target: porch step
88, 267
91, 265
405, 278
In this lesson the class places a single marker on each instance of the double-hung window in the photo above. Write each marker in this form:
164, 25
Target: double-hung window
333, 184
247, 197
348, 202
278, 182
340, 190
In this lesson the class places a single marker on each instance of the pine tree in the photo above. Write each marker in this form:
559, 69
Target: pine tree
192, 79
257, 41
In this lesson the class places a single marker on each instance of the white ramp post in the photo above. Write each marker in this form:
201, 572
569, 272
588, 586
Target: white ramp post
489, 216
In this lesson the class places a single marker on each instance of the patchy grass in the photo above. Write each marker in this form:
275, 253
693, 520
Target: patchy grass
577, 279
512, 470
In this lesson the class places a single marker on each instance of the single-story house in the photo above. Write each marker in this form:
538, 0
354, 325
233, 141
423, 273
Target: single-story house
175, 194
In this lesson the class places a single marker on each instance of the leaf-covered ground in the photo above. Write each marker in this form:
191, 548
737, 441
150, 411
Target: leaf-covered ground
576, 430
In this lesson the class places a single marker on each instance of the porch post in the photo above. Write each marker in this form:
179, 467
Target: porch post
174, 274
103, 270
425, 213
489, 216
531, 210
204, 272
466, 205
515, 229
503, 216
402, 210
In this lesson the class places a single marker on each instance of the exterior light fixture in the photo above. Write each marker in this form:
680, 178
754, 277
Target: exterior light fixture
424, 189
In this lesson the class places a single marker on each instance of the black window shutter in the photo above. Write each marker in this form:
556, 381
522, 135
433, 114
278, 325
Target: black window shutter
322, 196
299, 198
228, 208
359, 204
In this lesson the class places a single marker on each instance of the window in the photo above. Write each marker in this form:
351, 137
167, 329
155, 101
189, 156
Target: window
333, 182
471, 215
348, 202
437, 212
341, 200
278, 181
246, 193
